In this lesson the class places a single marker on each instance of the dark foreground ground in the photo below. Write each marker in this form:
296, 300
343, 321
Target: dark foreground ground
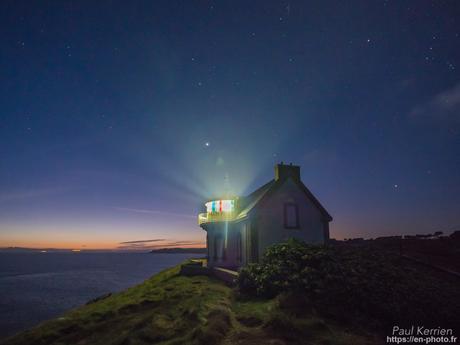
172, 309
345, 293
439, 251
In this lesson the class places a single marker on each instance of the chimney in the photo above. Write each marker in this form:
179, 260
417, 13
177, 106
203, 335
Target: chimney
283, 171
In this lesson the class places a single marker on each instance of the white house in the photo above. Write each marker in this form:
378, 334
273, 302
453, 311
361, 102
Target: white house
239, 229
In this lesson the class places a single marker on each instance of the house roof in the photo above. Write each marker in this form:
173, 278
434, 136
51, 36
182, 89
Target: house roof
249, 202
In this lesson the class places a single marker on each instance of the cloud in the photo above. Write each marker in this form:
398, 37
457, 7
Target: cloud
443, 106
137, 210
143, 241
21, 195
144, 245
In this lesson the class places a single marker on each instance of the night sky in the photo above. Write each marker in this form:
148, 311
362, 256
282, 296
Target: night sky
118, 119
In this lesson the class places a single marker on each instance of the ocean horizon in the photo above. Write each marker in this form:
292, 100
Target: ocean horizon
36, 287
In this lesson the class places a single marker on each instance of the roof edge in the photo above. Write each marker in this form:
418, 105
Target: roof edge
302, 186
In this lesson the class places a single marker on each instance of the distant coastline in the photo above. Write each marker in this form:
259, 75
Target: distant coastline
54, 250
31, 250
179, 251
176, 250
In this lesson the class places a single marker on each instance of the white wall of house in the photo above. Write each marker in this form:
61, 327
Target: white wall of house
233, 241
244, 225
225, 239
269, 217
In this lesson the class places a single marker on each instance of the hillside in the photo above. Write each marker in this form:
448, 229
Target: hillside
173, 309
362, 285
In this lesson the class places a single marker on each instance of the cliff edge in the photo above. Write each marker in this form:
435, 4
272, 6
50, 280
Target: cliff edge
173, 309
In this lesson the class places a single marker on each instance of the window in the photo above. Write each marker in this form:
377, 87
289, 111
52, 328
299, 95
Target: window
207, 246
219, 252
254, 244
291, 216
219, 206
239, 249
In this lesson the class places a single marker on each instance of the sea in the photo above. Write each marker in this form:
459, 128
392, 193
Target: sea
35, 286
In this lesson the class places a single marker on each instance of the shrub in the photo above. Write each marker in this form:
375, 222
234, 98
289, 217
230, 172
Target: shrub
291, 266
346, 281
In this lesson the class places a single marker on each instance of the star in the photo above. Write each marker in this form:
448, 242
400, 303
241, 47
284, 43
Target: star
207, 144
396, 186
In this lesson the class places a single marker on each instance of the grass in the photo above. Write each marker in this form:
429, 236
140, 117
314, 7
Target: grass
172, 309
270, 321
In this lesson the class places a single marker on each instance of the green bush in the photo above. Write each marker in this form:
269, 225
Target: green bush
360, 282
291, 266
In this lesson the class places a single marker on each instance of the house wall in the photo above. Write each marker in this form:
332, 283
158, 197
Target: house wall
222, 239
264, 227
244, 228
269, 218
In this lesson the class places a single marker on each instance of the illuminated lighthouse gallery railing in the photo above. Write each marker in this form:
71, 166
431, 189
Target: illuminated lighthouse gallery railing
217, 211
